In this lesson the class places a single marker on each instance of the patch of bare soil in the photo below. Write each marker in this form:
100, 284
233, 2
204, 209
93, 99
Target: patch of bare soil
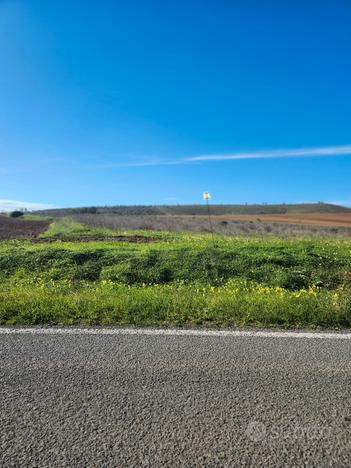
311, 219
11, 228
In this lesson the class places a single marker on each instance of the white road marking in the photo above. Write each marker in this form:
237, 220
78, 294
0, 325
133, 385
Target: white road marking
172, 332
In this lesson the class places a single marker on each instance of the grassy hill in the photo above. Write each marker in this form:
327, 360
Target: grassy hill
201, 209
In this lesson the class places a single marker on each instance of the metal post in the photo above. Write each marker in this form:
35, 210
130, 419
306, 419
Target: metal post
209, 220
207, 198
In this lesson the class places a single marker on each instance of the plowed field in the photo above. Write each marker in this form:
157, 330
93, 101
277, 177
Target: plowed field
21, 229
318, 219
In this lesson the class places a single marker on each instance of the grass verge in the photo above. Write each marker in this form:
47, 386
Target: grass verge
181, 279
237, 302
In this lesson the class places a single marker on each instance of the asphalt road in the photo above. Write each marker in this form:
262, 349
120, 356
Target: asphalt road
179, 401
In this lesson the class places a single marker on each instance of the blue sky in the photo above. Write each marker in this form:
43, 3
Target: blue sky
153, 102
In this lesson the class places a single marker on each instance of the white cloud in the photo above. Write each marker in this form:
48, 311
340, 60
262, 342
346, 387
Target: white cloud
346, 203
280, 153
143, 163
10, 205
325, 151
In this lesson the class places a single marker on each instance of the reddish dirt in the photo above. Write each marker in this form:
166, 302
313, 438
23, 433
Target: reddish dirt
315, 219
11, 228
135, 239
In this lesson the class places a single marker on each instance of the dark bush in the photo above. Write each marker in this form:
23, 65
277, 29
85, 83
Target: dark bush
16, 214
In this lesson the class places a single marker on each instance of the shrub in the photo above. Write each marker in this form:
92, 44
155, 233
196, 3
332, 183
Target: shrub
16, 214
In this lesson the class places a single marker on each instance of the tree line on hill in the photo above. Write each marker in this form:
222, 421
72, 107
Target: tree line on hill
199, 209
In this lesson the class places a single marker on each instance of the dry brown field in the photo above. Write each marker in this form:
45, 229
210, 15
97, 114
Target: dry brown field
21, 229
307, 219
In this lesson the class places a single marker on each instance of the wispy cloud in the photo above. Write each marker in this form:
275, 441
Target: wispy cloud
10, 205
279, 153
324, 151
340, 202
143, 163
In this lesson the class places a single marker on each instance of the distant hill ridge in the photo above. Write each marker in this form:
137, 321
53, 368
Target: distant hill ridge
201, 209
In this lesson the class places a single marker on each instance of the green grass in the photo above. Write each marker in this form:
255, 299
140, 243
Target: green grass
181, 279
67, 227
35, 217
235, 303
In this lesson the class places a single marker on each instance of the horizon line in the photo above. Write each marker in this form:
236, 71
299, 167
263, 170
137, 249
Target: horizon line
32, 207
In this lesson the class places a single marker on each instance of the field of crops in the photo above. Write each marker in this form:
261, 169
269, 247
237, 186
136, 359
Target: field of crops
89, 275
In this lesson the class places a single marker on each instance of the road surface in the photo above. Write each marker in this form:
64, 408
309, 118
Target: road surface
123, 398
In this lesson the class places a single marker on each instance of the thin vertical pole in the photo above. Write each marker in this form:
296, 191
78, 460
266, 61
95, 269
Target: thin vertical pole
209, 220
